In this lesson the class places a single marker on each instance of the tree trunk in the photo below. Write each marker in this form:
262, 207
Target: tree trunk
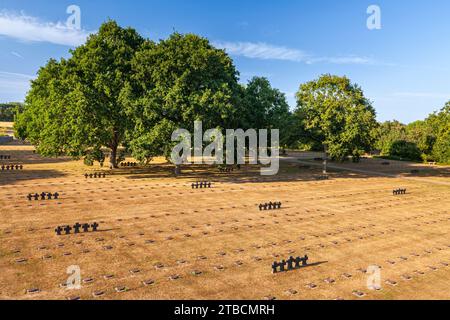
114, 146
113, 157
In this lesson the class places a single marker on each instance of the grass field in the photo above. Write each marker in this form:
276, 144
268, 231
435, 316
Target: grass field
215, 243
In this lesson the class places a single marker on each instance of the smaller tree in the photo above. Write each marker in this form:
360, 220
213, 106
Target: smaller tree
335, 112
405, 150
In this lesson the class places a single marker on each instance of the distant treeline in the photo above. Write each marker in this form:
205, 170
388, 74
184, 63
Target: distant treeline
427, 140
129, 94
9, 110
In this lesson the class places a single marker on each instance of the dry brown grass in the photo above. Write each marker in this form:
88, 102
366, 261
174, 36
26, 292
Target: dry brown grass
6, 128
344, 225
8, 125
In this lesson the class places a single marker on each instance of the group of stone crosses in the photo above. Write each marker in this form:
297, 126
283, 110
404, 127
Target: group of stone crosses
128, 164
11, 167
43, 196
290, 264
270, 206
76, 228
399, 192
226, 170
95, 175
201, 185
3, 157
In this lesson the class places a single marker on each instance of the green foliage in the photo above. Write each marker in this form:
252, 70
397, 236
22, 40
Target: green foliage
94, 155
264, 107
441, 149
429, 138
8, 111
77, 105
387, 133
334, 112
440, 123
129, 94
176, 82
405, 150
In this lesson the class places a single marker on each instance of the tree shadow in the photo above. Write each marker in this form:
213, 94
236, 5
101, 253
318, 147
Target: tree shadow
16, 177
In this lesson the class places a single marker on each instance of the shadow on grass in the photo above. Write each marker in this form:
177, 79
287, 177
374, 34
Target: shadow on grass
15, 177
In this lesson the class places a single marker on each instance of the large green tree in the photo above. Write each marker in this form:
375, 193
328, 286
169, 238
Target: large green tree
335, 112
176, 82
76, 106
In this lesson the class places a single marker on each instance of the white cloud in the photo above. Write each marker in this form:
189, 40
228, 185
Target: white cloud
262, 51
26, 28
266, 51
16, 54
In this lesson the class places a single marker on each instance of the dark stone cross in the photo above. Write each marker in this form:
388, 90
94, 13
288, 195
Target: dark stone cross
56, 195
86, 227
86, 175
283, 266
260, 207
297, 262
67, 229
290, 263
94, 226
76, 228
29, 196
36, 197
58, 231
305, 260
49, 196
275, 266
43, 195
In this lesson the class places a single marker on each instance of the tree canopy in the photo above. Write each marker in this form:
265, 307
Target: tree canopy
426, 140
335, 112
176, 82
129, 94
75, 106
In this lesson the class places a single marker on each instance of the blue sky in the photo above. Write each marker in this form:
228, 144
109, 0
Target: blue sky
404, 67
